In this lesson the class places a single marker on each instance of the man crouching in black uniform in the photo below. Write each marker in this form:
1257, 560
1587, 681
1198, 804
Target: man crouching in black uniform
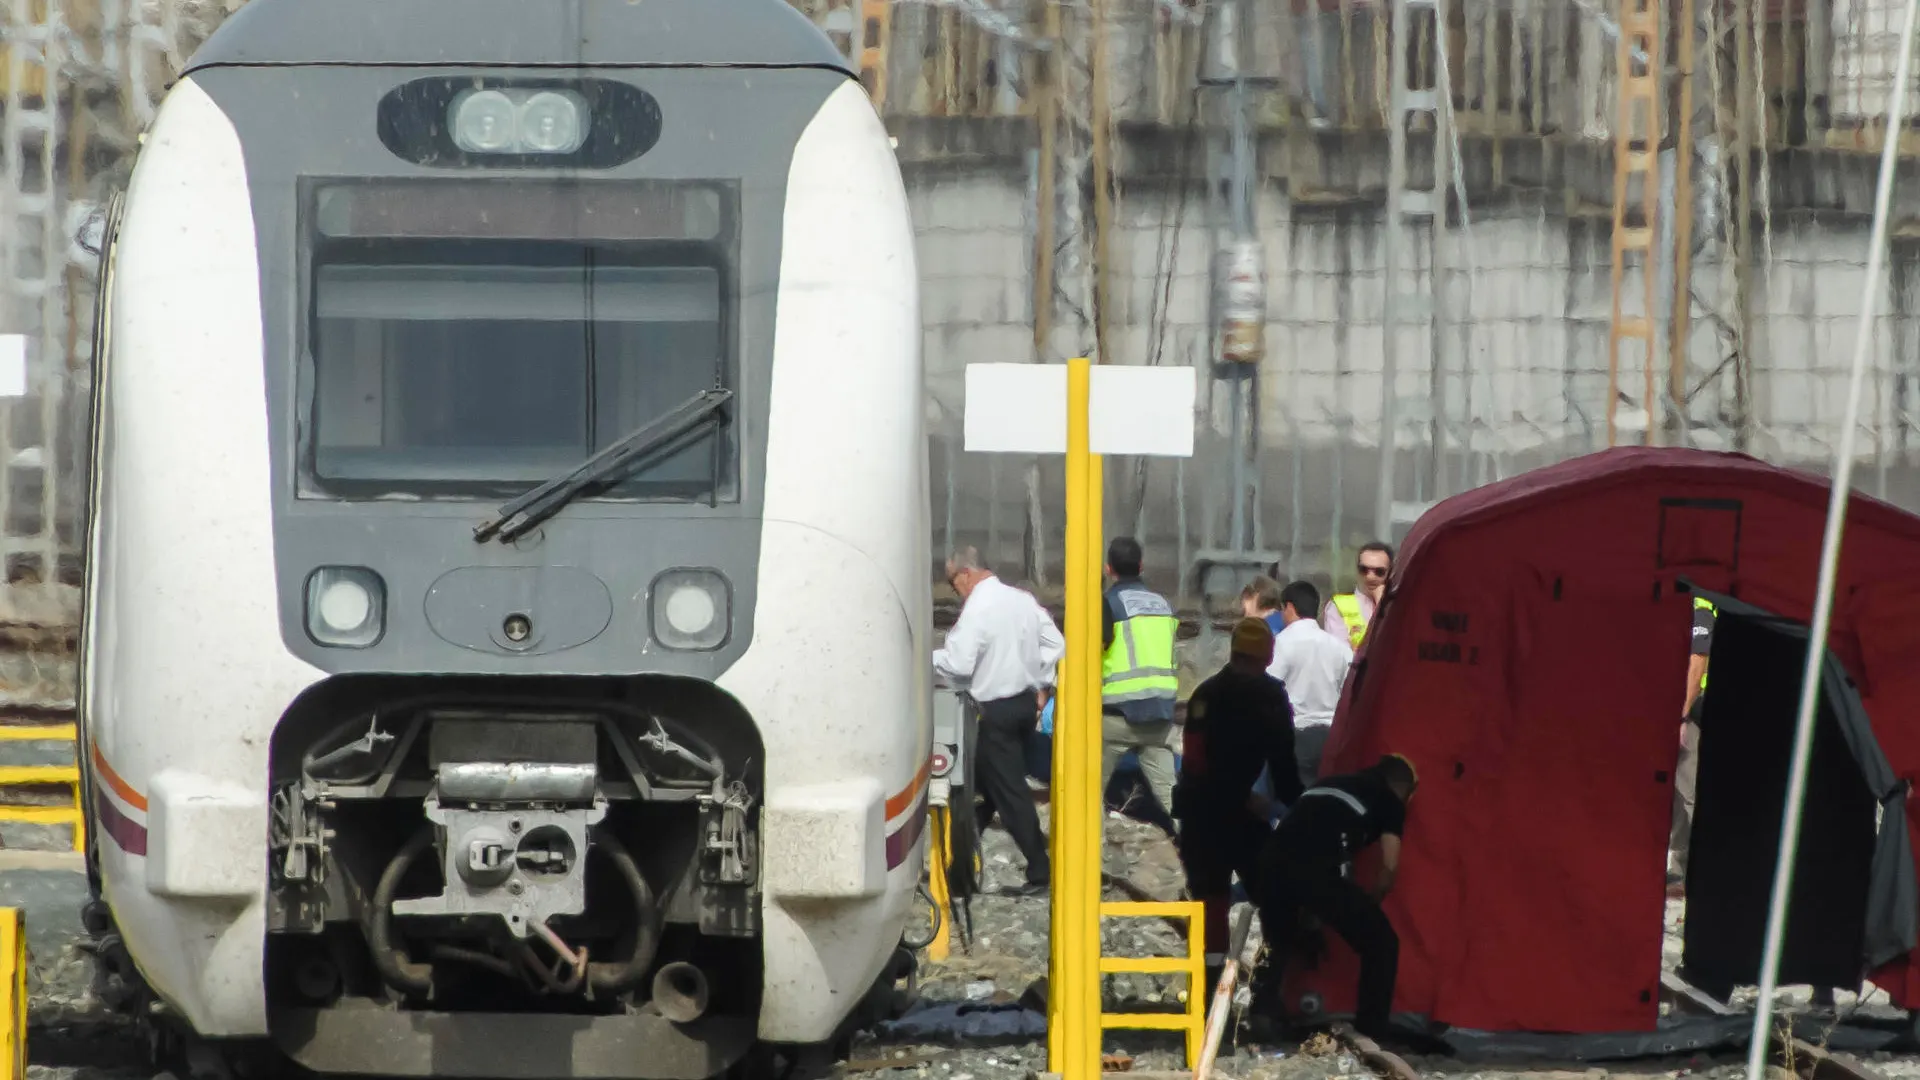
1307, 867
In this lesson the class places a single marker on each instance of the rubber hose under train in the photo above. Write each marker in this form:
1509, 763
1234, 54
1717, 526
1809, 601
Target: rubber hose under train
403, 974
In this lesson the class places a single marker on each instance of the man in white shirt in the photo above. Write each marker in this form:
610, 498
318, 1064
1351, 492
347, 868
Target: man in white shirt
1003, 651
1313, 663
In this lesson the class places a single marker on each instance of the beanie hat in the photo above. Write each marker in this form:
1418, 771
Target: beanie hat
1252, 637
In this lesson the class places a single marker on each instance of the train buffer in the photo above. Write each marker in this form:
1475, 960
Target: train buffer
15, 778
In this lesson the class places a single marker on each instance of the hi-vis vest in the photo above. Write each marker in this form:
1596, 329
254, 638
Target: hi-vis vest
1138, 666
1348, 605
1702, 603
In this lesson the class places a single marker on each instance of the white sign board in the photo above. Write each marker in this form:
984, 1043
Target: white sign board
13, 365
1022, 409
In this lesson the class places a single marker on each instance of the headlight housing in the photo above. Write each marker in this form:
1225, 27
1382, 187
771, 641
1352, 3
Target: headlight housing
346, 607
692, 610
519, 120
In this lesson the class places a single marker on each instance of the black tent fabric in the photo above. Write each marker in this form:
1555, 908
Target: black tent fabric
1892, 924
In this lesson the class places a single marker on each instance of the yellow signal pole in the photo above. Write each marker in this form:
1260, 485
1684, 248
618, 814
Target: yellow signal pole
1011, 408
13, 995
1074, 988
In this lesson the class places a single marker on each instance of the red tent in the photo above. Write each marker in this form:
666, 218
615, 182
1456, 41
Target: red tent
1531, 659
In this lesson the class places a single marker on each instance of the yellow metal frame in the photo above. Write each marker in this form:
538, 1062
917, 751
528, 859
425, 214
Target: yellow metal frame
1193, 966
939, 853
876, 24
27, 775
13, 992
1636, 147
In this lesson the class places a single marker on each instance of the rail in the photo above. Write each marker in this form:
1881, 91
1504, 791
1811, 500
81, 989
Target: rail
14, 777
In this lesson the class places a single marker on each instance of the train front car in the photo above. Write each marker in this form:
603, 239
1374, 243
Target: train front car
505, 630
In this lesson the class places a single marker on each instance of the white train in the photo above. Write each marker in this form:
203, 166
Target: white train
504, 645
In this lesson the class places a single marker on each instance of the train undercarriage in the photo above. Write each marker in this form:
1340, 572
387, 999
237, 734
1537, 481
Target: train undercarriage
476, 879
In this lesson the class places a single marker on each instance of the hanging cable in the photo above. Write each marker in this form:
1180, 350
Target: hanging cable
1829, 561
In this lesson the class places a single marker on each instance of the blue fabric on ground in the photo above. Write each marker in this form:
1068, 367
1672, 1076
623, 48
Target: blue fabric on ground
965, 1022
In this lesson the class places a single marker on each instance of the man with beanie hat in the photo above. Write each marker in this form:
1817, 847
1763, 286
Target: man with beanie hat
1238, 722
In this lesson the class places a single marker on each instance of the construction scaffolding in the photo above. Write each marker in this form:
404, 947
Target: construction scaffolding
1481, 224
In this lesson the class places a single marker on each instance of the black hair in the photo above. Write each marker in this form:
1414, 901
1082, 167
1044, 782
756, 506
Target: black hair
1124, 556
1395, 770
1377, 545
1304, 598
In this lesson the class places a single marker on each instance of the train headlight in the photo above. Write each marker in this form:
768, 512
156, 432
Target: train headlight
692, 609
346, 606
484, 122
519, 121
550, 124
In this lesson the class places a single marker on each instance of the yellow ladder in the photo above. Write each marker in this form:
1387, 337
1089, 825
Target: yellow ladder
68, 776
1636, 148
1193, 966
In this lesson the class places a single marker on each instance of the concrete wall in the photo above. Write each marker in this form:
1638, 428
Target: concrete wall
1523, 341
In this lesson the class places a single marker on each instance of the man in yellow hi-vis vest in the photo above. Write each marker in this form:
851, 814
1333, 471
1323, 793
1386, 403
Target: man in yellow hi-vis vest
1688, 766
1347, 615
1138, 682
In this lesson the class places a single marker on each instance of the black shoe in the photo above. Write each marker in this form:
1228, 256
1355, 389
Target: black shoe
1031, 888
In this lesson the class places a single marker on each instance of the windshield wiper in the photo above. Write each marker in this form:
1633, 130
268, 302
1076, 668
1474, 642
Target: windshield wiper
536, 506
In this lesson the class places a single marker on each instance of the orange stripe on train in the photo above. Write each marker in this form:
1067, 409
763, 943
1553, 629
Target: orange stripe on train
120, 787
905, 796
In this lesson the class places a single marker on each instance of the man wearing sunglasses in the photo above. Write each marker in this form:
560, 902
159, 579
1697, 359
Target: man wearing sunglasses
1349, 614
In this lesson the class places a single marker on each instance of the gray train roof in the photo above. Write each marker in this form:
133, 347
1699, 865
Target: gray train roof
585, 33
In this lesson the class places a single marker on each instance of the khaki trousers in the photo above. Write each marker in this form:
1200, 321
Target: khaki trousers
1684, 773
1153, 743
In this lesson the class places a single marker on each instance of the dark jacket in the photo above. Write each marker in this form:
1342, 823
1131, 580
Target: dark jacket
1237, 723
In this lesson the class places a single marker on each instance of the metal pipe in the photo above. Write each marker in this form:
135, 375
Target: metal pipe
680, 992
1829, 561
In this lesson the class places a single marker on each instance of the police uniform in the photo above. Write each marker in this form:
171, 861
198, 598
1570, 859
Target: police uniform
1306, 869
1239, 721
1688, 767
1138, 685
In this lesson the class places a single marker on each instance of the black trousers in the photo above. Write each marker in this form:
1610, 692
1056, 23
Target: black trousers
1000, 775
1214, 847
1293, 887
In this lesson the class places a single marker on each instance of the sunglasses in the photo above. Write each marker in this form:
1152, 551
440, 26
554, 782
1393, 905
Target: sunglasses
1373, 571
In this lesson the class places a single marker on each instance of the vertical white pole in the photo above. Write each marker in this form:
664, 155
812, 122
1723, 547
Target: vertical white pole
1829, 560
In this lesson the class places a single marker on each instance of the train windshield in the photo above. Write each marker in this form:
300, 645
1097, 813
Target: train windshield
447, 365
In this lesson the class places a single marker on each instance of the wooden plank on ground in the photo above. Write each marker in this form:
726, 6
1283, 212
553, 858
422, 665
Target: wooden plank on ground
1386, 1063
1819, 1063
1689, 998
